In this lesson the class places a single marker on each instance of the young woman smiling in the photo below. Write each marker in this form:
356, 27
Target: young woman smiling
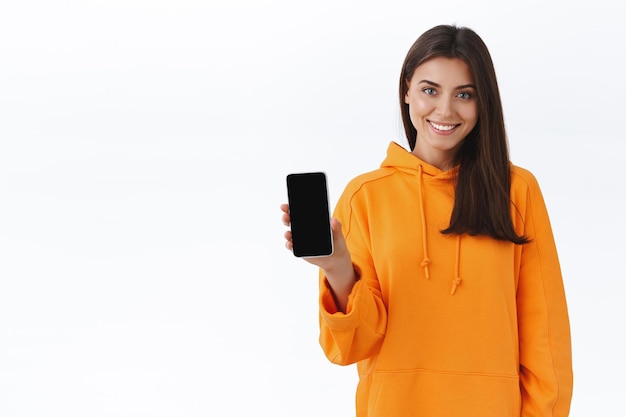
445, 286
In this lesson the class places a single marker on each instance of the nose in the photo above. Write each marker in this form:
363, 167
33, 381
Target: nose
445, 106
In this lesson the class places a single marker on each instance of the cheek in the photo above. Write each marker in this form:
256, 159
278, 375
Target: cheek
469, 114
419, 106
418, 110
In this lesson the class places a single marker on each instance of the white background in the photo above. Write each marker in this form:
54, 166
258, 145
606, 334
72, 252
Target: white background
143, 150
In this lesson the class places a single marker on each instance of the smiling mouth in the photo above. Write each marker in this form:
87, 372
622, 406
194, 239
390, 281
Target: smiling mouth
443, 128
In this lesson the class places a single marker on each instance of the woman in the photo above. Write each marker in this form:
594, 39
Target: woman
445, 286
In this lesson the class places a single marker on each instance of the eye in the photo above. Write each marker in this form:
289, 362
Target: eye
430, 91
464, 95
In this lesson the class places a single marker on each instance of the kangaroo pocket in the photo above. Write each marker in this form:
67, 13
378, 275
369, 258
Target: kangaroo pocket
422, 393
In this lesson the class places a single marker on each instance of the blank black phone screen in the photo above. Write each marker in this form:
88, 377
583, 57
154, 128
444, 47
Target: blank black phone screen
310, 214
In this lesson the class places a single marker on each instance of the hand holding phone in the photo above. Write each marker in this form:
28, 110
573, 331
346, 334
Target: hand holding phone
309, 211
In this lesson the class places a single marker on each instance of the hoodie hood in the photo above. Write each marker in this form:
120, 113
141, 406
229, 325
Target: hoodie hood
403, 160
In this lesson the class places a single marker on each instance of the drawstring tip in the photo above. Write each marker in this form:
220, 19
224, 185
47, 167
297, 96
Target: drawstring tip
425, 264
455, 283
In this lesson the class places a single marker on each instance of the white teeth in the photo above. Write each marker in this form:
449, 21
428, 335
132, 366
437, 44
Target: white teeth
442, 127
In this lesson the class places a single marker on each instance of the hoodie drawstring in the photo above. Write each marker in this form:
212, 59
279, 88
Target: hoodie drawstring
426, 260
457, 262
457, 279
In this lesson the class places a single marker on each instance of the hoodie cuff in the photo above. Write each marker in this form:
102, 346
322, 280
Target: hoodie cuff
329, 312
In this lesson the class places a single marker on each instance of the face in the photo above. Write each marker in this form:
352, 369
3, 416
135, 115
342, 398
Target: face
442, 108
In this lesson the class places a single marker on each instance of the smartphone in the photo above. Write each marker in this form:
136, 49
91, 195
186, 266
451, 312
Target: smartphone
307, 195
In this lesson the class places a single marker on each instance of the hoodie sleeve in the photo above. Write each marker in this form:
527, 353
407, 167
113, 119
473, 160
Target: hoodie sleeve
544, 332
357, 334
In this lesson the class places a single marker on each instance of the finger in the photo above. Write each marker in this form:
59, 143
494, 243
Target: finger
286, 219
284, 208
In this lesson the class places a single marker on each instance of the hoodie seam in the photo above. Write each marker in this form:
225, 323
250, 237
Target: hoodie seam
440, 372
545, 303
358, 189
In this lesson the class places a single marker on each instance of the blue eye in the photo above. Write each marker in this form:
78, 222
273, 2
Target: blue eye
430, 91
464, 95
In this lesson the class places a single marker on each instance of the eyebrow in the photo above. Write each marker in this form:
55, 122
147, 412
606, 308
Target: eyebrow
460, 87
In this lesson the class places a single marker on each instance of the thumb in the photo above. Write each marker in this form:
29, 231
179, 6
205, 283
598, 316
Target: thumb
337, 228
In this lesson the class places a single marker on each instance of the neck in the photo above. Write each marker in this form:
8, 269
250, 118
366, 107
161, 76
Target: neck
441, 161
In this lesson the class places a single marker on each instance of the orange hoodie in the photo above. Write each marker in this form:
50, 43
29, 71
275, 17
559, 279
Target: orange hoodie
447, 325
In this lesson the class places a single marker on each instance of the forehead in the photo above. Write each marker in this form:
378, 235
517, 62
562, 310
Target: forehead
444, 71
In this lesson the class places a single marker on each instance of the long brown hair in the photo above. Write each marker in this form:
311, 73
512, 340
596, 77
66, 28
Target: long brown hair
482, 203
